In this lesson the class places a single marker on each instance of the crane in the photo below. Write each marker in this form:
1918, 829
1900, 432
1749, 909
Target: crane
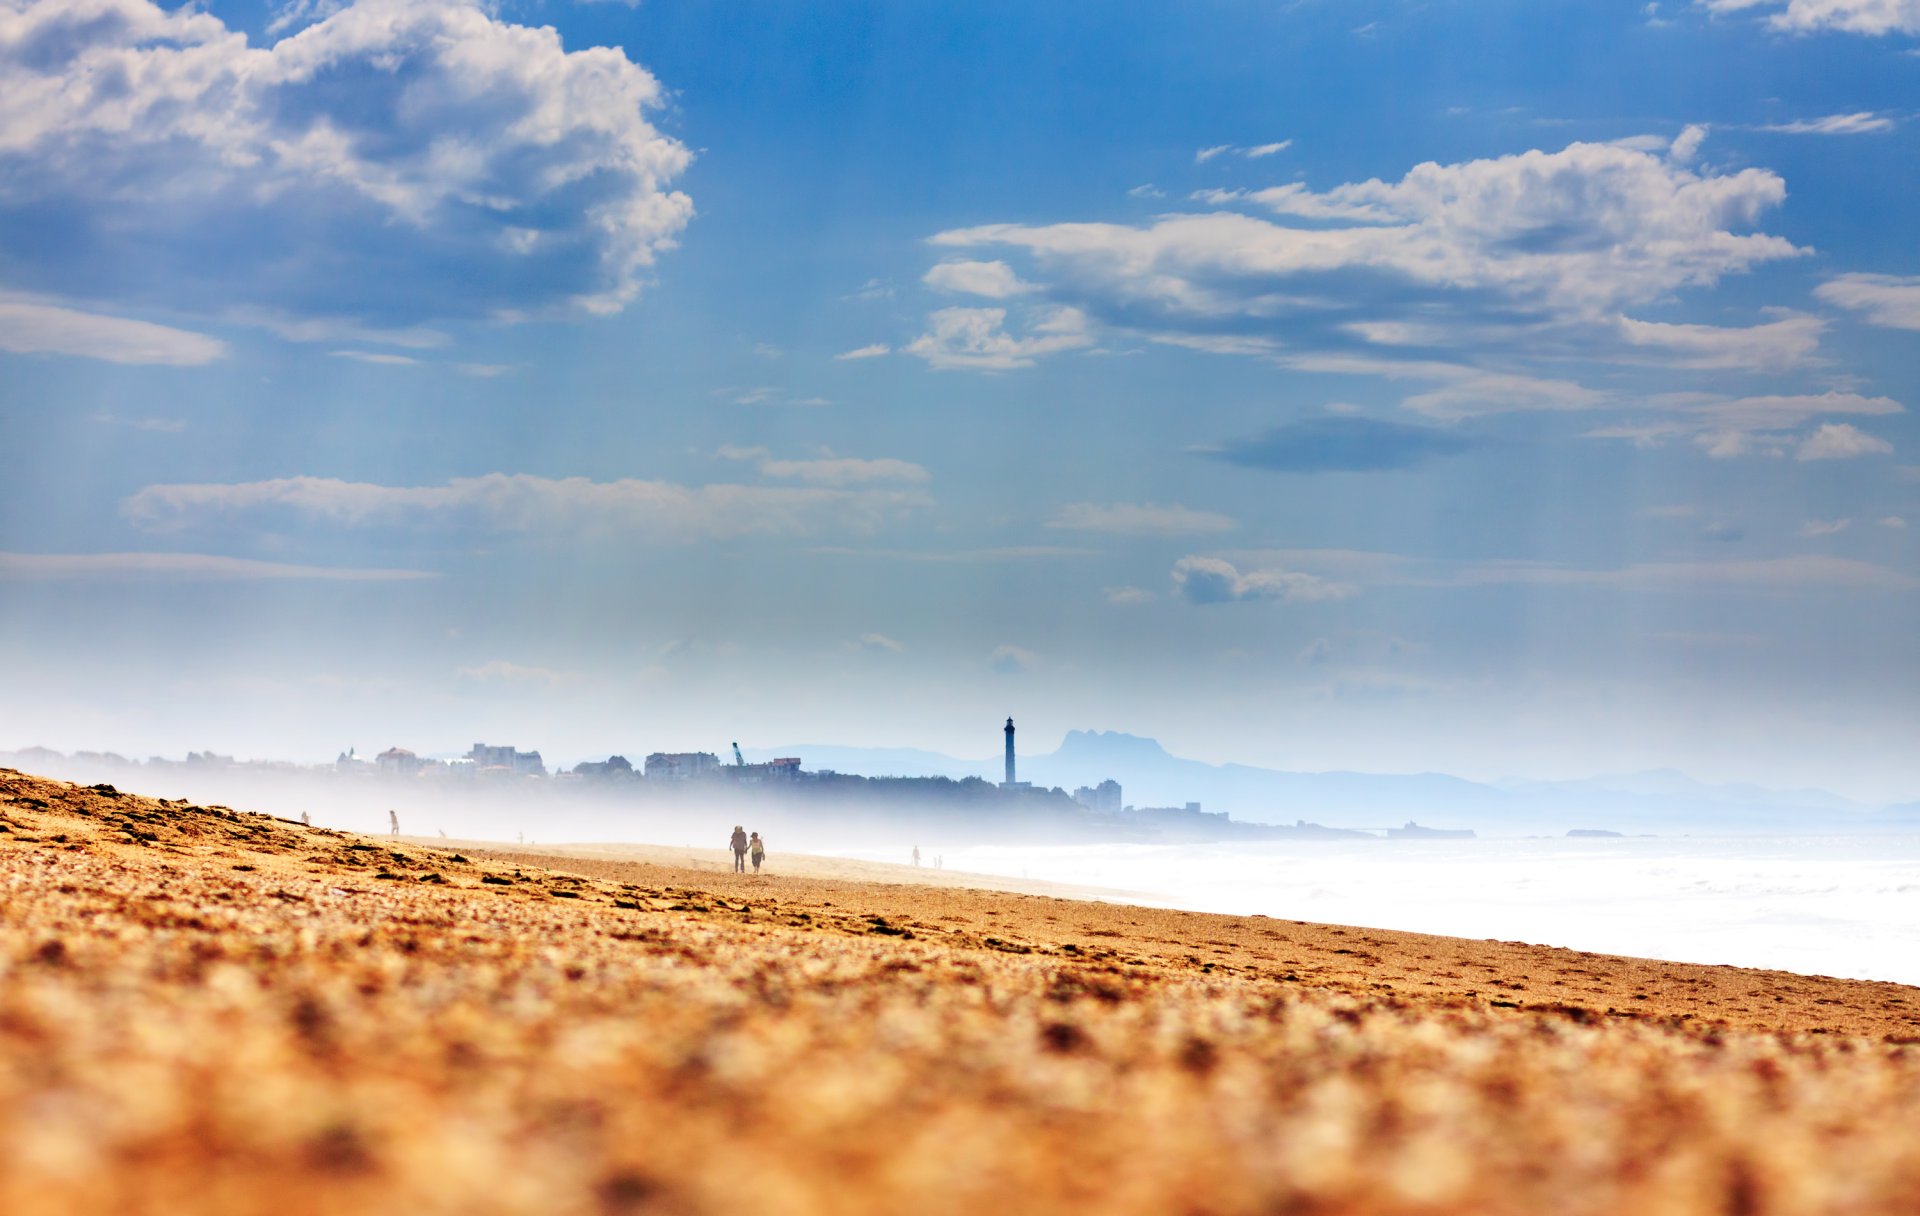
739, 760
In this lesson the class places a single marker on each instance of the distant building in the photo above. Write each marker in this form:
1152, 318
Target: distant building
612, 767
1103, 798
505, 757
682, 766
786, 768
398, 762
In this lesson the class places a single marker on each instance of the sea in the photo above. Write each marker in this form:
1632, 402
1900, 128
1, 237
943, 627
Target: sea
1844, 906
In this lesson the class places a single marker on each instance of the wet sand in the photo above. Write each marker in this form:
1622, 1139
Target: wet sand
209, 1011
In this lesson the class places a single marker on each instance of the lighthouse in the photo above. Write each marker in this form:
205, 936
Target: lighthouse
1009, 781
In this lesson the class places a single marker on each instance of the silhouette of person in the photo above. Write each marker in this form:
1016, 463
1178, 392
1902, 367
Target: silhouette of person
916, 854
758, 849
393, 822
739, 845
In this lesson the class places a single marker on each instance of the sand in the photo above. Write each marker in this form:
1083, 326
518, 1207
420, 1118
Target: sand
203, 1010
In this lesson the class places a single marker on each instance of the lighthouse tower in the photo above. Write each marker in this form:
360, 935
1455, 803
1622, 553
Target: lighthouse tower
1009, 781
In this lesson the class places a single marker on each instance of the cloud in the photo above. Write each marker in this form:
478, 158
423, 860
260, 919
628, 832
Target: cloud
1886, 299
994, 280
976, 339
1725, 428
846, 471
1148, 190
1825, 527
520, 503
383, 358
486, 371
1686, 145
1126, 595
1775, 346
1891, 521
1344, 444
29, 327
1865, 122
1536, 252
1203, 155
1255, 152
1006, 553
181, 567
1212, 580
500, 671
866, 352
1011, 660
1139, 519
878, 643
1840, 441
1871, 17
1781, 573
164, 426
394, 162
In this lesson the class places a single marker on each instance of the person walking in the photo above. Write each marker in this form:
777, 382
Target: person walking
739, 845
757, 849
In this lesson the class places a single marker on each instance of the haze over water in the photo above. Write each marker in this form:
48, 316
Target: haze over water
1844, 906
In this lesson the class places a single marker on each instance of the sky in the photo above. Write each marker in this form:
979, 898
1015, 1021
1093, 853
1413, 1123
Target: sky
1474, 386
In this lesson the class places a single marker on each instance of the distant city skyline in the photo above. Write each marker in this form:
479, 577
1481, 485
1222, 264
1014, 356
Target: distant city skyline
1387, 386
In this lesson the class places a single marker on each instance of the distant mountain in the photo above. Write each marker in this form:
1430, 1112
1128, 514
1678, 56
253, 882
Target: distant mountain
1663, 801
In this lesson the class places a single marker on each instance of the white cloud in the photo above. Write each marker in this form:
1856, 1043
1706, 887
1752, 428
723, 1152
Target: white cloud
1892, 521
1148, 190
486, 371
1866, 122
1725, 428
1127, 595
1139, 519
845, 471
1825, 527
521, 503
866, 352
877, 642
185, 567
1686, 145
1260, 150
1780, 573
1204, 155
1476, 255
994, 280
1886, 299
1212, 580
1871, 17
976, 338
473, 168
1774, 346
1840, 441
382, 358
31, 327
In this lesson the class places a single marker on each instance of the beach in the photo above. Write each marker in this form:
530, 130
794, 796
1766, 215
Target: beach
207, 1010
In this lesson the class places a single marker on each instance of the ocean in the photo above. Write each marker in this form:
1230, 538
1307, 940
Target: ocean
1845, 906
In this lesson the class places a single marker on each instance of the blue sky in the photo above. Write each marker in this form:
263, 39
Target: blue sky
1483, 387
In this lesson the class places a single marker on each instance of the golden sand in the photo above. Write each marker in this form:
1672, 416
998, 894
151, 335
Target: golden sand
208, 1011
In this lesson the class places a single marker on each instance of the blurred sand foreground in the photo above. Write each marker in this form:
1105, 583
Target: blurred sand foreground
207, 1011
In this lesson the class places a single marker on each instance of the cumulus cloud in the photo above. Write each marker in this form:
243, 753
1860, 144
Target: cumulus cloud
1841, 441
994, 280
33, 327
1139, 519
1885, 299
521, 503
1213, 580
873, 351
182, 567
1865, 122
393, 162
977, 339
1871, 17
1775, 346
1491, 255
1344, 444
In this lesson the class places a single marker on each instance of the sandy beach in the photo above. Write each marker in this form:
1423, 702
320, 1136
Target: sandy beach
212, 1011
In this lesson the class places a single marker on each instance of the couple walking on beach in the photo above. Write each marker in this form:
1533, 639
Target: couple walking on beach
743, 846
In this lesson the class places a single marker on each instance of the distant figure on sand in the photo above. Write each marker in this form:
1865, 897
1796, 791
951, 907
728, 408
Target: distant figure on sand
758, 849
916, 854
393, 823
304, 821
739, 846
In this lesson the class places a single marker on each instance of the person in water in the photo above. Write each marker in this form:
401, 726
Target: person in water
757, 848
739, 846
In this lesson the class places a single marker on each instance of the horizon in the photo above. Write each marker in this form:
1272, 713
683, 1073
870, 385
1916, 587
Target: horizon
1381, 388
